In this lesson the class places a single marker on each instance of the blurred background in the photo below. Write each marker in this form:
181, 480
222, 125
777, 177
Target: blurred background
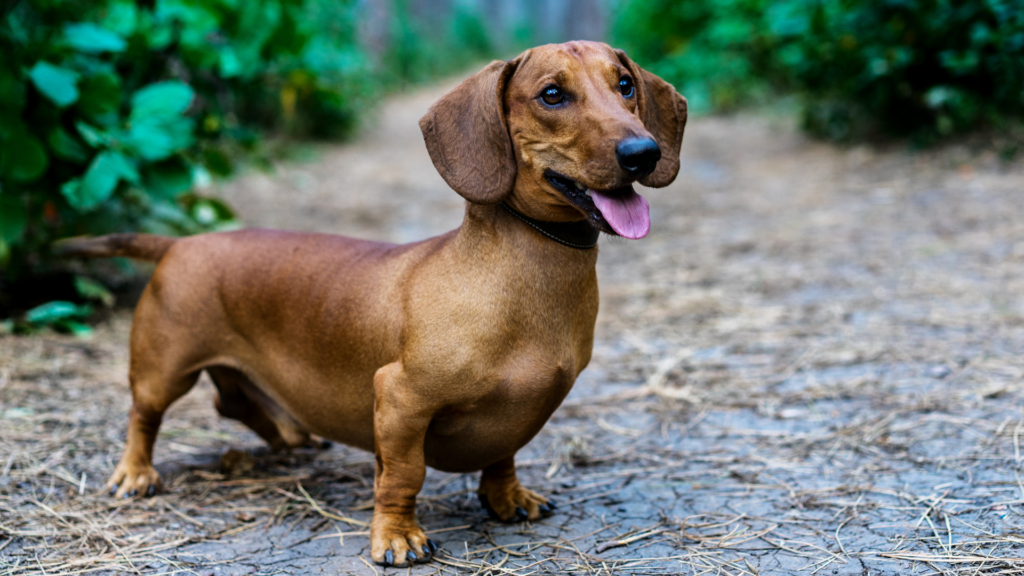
117, 115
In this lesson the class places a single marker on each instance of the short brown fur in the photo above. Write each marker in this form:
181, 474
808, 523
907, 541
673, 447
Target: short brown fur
451, 352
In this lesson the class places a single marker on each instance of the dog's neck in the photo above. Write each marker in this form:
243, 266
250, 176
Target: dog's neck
579, 234
539, 280
499, 227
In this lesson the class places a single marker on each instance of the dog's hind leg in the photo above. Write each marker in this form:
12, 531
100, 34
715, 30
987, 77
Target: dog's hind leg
232, 402
152, 394
162, 369
239, 399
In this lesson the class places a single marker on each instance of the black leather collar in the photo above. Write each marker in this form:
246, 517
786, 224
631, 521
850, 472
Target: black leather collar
580, 234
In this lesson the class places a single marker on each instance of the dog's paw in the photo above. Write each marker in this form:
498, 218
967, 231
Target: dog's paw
128, 481
398, 541
319, 443
514, 504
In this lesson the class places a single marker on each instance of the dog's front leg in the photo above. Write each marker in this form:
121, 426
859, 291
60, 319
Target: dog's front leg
505, 498
400, 421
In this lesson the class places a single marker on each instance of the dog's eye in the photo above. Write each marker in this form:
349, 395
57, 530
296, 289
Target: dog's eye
552, 96
626, 87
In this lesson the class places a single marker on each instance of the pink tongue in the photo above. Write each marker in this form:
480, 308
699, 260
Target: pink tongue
625, 211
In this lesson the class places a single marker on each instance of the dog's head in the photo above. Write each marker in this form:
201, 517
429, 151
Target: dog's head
560, 132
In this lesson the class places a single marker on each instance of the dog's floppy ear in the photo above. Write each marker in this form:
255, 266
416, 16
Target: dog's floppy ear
467, 136
663, 112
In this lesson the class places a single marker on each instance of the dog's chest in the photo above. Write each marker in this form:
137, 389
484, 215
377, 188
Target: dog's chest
515, 404
502, 348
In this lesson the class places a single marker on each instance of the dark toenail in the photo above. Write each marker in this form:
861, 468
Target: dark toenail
127, 495
326, 444
113, 489
425, 550
135, 492
543, 508
389, 558
433, 547
411, 556
521, 513
151, 490
551, 504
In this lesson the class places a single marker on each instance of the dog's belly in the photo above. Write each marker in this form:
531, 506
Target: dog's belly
339, 408
336, 402
466, 438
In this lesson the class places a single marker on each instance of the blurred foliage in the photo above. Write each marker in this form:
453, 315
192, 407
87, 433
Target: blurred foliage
425, 47
63, 315
712, 50
918, 68
116, 115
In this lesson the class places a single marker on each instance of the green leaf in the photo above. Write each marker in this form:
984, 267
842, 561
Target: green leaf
93, 136
56, 310
204, 213
157, 129
22, 157
12, 94
56, 83
100, 180
70, 191
92, 290
125, 166
168, 179
150, 141
194, 23
217, 161
74, 327
168, 218
161, 100
157, 138
209, 212
229, 64
88, 37
121, 18
65, 146
160, 35
100, 94
13, 218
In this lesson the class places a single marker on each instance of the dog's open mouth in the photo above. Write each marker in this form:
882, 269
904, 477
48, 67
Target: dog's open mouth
620, 211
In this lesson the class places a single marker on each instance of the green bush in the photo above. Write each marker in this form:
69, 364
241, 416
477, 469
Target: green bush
714, 51
923, 68
114, 113
919, 68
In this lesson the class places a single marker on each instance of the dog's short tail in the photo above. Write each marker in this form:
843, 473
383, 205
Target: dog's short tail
146, 247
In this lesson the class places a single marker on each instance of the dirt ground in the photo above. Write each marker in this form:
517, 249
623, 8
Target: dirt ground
814, 364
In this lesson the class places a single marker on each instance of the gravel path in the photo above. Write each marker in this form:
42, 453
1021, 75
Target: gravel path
814, 364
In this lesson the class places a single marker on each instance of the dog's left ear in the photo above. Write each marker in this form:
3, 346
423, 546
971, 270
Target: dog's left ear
467, 136
663, 112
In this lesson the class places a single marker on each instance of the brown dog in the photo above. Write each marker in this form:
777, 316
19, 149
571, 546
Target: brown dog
451, 352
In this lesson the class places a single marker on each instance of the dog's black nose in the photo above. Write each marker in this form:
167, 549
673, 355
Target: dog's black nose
638, 156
